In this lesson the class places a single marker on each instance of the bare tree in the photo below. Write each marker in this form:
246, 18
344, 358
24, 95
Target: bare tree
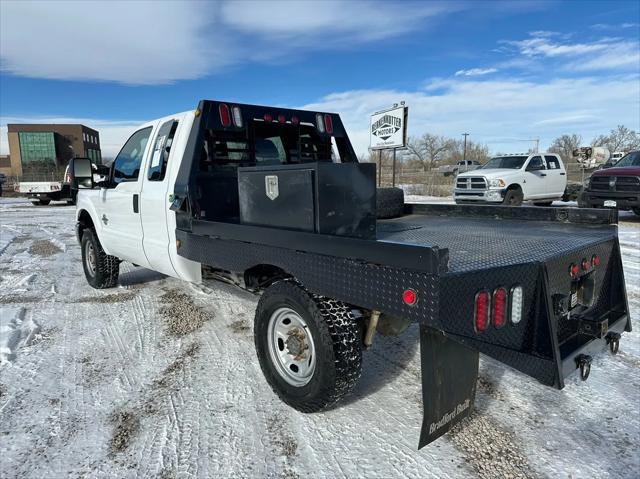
620, 138
564, 145
475, 151
428, 149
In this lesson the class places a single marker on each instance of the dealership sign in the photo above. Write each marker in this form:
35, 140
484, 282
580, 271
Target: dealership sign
388, 128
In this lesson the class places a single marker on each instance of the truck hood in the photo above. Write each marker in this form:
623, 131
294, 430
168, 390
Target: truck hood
490, 172
621, 171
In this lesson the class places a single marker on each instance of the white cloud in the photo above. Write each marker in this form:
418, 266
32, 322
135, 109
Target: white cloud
493, 110
475, 72
608, 26
603, 54
138, 42
113, 133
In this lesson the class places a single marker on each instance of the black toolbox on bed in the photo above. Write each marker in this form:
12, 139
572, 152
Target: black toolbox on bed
327, 198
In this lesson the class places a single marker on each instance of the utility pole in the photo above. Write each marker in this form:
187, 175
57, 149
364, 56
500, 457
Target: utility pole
464, 151
537, 140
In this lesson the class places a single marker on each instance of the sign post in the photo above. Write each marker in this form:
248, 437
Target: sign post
388, 131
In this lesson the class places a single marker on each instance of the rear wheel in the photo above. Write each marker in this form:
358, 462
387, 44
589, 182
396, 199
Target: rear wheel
41, 202
309, 346
389, 202
513, 197
100, 269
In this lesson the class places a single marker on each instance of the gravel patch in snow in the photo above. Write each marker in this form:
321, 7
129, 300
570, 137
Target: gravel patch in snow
107, 298
44, 248
181, 314
126, 425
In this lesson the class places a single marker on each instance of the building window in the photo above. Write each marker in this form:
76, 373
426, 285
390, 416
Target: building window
37, 146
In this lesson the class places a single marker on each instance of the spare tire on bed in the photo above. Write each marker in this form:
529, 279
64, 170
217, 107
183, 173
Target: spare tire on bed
389, 202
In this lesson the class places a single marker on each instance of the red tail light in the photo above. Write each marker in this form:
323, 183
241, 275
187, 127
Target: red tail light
499, 307
328, 125
481, 316
595, 261
574, 270
225, 115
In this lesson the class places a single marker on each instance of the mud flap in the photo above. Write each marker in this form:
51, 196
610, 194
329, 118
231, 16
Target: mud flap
449, 376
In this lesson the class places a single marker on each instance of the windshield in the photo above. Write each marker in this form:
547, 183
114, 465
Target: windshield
512, 162
632, 159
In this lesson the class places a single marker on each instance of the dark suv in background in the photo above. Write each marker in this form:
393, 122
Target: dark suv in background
616, 187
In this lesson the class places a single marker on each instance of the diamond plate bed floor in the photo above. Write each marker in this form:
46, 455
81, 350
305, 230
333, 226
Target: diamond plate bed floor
489, 243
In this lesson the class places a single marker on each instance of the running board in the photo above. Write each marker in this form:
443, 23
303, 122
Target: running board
449, 376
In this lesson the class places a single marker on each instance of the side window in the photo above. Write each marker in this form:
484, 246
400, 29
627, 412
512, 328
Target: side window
536, 163
161, 150
126, 166
552, 162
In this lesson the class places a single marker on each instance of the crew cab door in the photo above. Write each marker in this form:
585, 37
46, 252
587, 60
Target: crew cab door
119, 204
155, 202
556, 176
535, 179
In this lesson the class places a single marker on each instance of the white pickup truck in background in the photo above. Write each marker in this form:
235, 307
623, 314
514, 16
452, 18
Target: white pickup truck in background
460, 167
512, 179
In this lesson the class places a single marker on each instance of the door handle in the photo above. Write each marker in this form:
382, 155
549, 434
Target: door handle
562, 173
105, 220
543, 174
136, 208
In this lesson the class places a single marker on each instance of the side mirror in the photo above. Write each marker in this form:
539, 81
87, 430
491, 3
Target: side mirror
81, 173
534, 167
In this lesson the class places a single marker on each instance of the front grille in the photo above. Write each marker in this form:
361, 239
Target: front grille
615, 183
471, 183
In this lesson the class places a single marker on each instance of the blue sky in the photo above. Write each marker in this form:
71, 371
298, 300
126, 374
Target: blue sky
500, 70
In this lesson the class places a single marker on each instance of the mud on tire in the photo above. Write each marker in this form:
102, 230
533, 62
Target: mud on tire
100, 269
389, 202
337, 344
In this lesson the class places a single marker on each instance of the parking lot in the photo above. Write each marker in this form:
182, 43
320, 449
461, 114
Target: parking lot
158, 378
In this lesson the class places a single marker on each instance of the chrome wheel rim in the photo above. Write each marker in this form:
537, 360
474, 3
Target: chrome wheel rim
291, 347
90, 258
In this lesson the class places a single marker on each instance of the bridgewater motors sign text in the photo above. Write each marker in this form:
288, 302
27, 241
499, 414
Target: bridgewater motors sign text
388, 128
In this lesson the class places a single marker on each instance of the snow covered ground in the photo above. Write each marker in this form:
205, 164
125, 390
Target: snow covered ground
158, 378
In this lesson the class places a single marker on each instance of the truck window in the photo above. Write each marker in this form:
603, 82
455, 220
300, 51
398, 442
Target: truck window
161, 150
552, 162
126, 166
536, 162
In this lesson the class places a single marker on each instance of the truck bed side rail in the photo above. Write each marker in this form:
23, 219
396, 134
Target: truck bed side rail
588, 216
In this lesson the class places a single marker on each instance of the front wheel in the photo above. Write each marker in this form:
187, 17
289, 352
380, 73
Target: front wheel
100, 269
513, 197
309, 347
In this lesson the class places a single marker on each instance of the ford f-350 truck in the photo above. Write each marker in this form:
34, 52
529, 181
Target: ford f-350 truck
275, 200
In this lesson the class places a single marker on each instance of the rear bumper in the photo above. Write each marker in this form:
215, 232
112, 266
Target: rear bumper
623, 199
594, 347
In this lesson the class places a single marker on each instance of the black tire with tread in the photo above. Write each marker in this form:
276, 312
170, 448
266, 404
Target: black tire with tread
107, 267
338, 343
513, 197
389, 202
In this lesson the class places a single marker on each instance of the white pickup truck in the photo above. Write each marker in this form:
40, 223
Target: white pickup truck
512, 179
275, 201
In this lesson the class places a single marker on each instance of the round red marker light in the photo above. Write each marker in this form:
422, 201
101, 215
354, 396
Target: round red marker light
586, 265
295, 120
574, 270
268, 118
410, 297
281, 119
595, 260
